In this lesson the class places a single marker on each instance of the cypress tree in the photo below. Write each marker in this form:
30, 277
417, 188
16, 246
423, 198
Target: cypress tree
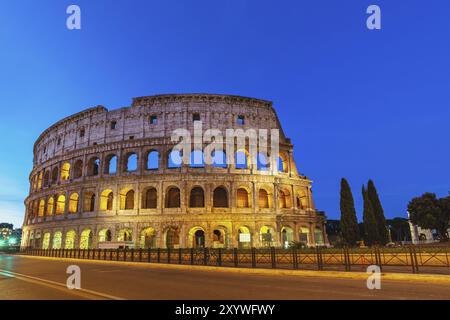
383, 236
349, 222
370, 223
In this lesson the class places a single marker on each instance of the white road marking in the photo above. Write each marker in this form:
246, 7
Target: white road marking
58, 285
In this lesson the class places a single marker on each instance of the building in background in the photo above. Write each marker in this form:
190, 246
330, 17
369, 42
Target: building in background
102, 178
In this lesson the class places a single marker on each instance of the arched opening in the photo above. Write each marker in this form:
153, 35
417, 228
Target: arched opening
219, 159
244, 238
86, 239
318, 236
131, 163
282, 163
150, 200
148, 238
284, 199
302, 200
65, 171
127, 199
93, 167
287, 236
242, 198
39, 183
73, 203
152, 160
46, 241
106, 200
41, 211
197, 237
172, 238
104, 235
304, 236
57, 240
50, 206
219, 238
46, 178
174, 159
61, 205
263, 199
242, 160
78, 169
111, 164
125, 235
70, 239
55, 175
197, 198
89, 202
263, 163
267, 236
220, 198
173, 198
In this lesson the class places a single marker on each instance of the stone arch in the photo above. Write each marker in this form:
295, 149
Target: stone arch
70, 239
263, 162
243, 198
78, 169
104, 235
125, 234
264, 200
55, 172
196, 159
174, 159
173, 197
106, 200
41, 211
197, 237
242, 159
46, 241
65, 171
172, 237
127, 199
304, 235
86, 239
148, 238
50, 206
150, 198
110, 164
287, 236
61, 204
282, 162
73, 203
220, 237
152, 160
244, 237
220, 197
267, 236
47, 178
40, 178
57, 240
131, 162
197, 197
89, 201
284, 198
93, 167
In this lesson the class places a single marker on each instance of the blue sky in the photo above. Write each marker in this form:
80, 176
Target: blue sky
358, 104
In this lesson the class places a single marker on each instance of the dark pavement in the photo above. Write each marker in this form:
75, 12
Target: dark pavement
45, 279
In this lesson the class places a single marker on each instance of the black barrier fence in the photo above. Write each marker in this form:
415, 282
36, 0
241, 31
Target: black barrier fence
413, 259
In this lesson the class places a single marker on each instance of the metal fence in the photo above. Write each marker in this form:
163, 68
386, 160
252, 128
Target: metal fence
405, 259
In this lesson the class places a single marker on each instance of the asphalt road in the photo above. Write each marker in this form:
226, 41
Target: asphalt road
30, 278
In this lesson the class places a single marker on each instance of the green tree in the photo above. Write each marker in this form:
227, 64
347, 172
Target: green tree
429, 212
370, 223
349, 222
382, 232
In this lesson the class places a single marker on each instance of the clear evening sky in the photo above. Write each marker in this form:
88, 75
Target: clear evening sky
356, 103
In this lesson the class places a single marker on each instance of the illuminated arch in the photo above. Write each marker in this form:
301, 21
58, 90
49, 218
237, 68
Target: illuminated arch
73, 203
65, 171
242, 198
267, 235
46, 241
50, 206
86, 239
125, 235
127, 199
70, 239
263, 199
104, 235
106, 200
41, 211
148, 238
57, 240
61, 204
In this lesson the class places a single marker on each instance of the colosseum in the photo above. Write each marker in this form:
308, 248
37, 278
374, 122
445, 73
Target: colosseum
103, 176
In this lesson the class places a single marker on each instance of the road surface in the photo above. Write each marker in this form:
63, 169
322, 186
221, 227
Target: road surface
31, 278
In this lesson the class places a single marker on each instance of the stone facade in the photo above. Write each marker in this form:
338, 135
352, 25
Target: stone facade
83, 190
